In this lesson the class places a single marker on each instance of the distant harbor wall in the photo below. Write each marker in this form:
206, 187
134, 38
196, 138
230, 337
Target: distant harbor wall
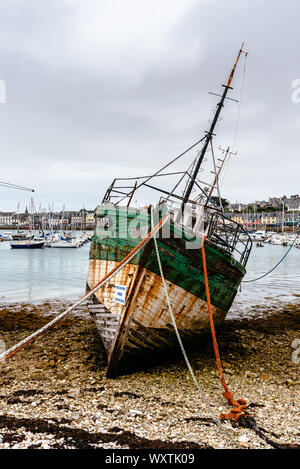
38, 227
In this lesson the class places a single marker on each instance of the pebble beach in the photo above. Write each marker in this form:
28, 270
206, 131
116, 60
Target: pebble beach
55, 395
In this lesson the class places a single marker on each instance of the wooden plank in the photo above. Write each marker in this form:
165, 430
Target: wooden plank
131, 348
106, 334
155, 343
110, 326
132, 338
92, 309
107, 320
103, 326
151, 333
109, 315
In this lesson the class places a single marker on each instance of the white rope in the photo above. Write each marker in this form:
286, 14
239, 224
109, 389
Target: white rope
81, 300
203, 397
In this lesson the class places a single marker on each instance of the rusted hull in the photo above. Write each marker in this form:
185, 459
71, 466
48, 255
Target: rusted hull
143, 326
131, 312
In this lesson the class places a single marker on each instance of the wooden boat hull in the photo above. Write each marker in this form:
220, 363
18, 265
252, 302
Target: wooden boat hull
131, 311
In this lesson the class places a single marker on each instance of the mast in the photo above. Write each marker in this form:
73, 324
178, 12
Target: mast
293, 221
30, 226
210, 133
18, 215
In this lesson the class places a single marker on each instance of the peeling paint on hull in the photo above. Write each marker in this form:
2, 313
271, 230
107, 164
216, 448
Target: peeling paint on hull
145, 323
142, 326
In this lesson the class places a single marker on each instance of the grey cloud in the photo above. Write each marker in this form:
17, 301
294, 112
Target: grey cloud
100, 89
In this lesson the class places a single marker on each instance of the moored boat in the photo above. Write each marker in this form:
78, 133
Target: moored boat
21, 240
259, 236
59, 241
131, 311
19, 235
7, 236
27, 244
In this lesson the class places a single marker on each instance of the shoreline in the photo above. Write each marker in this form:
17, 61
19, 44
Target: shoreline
55, 396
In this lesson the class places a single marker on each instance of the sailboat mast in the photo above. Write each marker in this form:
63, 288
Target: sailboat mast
18, 215
209, 134
31, 210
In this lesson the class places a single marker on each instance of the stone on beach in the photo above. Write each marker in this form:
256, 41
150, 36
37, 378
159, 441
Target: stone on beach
66, 403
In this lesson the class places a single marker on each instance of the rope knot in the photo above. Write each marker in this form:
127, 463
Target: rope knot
239, 407
242, 402
228, 394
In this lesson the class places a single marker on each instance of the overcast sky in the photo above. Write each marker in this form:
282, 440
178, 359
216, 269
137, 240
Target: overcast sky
97, 89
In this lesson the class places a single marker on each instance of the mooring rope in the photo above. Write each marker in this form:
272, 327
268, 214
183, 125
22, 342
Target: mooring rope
273, 268
239, 406
203, 397
10, 352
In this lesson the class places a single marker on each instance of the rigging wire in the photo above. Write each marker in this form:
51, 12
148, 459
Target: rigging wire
186, 173
240, 102
15, 186
167, 165
278, 263
227, 162
191, 168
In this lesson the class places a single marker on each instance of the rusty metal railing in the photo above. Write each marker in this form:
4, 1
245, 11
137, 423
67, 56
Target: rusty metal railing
231, 236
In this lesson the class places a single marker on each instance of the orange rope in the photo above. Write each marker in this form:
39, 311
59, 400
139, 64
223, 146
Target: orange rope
239, 406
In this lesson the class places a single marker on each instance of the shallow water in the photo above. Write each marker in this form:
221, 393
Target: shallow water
271, 292
38, 275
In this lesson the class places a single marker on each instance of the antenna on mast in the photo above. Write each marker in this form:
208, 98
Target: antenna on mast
226, 152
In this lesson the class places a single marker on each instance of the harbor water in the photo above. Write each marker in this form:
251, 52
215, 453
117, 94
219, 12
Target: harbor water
38, 275
279, 287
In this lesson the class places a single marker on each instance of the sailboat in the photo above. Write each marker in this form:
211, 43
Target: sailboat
58, 238
28, 242
131, 311
60, 241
